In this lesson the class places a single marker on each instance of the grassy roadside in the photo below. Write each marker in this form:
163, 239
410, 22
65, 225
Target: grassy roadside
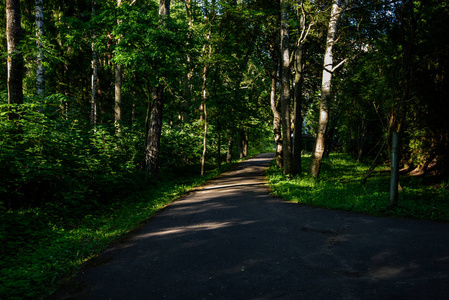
48, 244
340, 188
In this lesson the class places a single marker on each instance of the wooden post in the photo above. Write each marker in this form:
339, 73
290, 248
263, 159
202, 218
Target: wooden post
394, 170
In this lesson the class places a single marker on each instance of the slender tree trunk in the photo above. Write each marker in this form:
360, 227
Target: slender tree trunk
229, 153
15, 59
40, 72
219, 147
276, 114
204, 118
315, 162
204, 95
118, 97
297, 138
93, 102
297, 107
154, 118
285, 89
118, 88
245, 143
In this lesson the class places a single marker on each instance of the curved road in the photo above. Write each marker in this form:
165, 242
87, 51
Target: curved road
232, 240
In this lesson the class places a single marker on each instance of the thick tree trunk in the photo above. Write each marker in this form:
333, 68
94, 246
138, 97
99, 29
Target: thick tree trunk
285, 89
154, 133
315, 162
40, 72
15, 59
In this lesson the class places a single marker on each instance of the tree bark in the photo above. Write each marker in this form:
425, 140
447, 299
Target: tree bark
15, 59
315, 162
276, 115
204, 96
118, 88
285, 89
153, 139
229, 153
40, 72
118, 97
297, 138
154, 133
94, 77
204, 118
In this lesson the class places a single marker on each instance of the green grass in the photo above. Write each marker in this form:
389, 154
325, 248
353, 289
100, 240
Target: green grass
340, 188
43, 245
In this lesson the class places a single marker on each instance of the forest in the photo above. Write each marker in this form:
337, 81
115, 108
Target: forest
102, 101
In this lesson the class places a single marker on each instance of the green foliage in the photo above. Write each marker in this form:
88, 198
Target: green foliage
340, 188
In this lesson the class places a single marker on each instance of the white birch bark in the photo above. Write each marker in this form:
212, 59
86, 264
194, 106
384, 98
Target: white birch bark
315, 163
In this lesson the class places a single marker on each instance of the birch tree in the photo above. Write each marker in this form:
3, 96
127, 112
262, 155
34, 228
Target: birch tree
328, 69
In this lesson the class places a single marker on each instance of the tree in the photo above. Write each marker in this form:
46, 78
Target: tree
285, 89
15, 59
328, 69
156, 109
298, 65
40, 72
118, 86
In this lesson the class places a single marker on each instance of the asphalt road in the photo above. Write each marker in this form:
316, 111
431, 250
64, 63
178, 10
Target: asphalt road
231, 239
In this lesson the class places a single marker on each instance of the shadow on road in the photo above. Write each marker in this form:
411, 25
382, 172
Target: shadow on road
233, 240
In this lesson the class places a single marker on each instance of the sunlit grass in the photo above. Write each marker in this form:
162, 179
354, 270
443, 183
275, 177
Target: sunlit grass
340, 188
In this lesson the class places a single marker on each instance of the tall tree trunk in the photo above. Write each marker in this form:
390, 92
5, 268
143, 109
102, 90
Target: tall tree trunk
315, 162
274, 109
118, 97
94, 77
218, 147
229, 153
204, 95
118, 88
297, 107
153, 138
40, 72
285, 89
297, 138
154, 132
15, 59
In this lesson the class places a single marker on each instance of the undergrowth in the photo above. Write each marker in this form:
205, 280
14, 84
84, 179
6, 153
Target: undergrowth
42, 245
340, 188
